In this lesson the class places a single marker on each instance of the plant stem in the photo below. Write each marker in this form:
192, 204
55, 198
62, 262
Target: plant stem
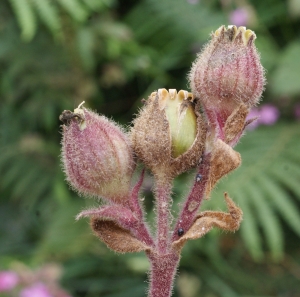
162, 195
163, 269
194, 199
141, 231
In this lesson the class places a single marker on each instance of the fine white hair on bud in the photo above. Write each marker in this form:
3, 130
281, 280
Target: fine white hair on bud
168, 134
228, 71
96, 155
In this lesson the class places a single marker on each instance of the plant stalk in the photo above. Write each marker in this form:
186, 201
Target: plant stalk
162, 275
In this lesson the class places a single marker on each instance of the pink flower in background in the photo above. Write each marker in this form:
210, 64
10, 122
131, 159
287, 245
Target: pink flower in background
254, 113
239, 17
269, 114
36, 290
8, 280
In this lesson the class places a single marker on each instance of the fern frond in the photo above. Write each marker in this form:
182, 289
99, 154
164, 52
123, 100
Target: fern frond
48, 14
249, 229
75, 9
267, 217
263, 185
97, 4
287, 182
286, 207
25, 17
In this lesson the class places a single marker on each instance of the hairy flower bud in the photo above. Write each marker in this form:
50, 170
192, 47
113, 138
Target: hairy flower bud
168, 134
96, 154
228, 73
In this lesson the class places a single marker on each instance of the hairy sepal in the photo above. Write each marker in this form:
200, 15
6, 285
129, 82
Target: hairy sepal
117, 238
205, 221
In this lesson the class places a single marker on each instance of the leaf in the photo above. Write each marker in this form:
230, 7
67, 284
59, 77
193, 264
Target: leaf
117, 238
281, 200
285, 80
75, 9
48, 14
85, 44
206, 220
249, 230
270, 171
119, 214
25, 17
268, 219
222, 154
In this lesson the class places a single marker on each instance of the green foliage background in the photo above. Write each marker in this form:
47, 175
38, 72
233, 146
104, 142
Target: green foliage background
54, 54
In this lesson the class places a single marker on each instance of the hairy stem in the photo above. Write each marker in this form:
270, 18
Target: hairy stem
194, 199
163, 269
162, 195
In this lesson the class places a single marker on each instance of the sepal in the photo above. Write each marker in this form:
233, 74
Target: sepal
117, 238
205, 221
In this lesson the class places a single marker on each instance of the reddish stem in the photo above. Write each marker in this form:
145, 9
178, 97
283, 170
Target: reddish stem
163, 269
134, 202
193, 201
140, 231
162, 195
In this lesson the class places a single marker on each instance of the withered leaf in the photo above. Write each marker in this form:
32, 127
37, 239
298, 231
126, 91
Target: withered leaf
235, 124
206, 220
224, 160
117, 238
123, 216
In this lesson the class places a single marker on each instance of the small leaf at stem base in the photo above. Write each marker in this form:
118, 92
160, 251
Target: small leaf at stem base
117, 238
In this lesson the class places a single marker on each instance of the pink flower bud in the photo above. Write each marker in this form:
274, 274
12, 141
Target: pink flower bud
96, 154
228, 72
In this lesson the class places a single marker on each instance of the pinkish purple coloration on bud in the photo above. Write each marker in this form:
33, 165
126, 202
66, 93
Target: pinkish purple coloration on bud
228, 72
96, 154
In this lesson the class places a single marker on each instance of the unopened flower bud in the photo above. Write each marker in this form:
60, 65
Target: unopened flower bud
96, 154
168, 134
228, 72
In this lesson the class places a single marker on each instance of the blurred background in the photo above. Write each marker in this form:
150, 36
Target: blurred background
54, 54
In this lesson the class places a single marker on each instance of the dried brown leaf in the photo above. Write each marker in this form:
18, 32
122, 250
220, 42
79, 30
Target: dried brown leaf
235, 123
224, 160
117, 238
206, 220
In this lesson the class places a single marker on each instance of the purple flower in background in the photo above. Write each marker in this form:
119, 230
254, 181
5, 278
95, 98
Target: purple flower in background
239, 17
36, 290
268, 114
8, 280
254, 113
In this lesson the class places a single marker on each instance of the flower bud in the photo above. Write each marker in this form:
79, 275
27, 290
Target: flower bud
228, 72
168, 134
96, 155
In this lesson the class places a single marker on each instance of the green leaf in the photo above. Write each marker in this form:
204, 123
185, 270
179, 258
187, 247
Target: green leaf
249, 229
25, 17
75, 9
285, 80
282, 201
48, 14
268, 219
